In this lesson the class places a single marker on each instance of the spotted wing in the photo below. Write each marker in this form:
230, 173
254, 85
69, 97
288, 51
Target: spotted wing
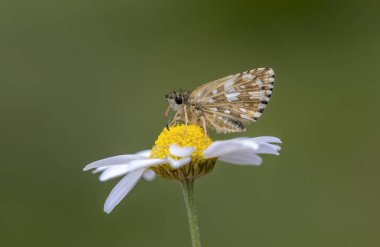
229, 101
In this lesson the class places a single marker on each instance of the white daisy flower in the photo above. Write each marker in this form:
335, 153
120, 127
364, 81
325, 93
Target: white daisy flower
179, 153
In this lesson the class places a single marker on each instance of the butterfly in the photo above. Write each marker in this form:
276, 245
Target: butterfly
225, 104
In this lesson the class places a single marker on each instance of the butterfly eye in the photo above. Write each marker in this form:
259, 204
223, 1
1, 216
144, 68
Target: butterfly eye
178, 100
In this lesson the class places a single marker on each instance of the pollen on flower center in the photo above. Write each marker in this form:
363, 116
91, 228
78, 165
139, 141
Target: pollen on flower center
191, 136
182, 136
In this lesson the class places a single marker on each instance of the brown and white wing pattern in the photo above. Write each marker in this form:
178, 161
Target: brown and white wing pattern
228, 102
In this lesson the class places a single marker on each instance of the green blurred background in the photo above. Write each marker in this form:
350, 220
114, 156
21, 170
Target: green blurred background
84, 80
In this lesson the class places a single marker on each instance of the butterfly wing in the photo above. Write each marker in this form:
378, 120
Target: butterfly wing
228, 102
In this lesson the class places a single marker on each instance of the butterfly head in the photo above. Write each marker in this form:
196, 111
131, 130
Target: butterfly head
177, 99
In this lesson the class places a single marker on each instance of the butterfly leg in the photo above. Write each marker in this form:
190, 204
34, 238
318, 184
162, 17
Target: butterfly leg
186, 118
204, 125
174, 119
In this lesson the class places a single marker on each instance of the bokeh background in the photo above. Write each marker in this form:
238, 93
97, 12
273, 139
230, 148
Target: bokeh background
84, 80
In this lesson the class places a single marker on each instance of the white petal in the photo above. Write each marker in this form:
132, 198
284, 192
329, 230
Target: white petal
242, 150
181, 151
267, 139
242, 158
267, 148
99, 169
219, 148
113, 172
264, 147
144, 153
178, 163
122, 189
137, 164
149, 175
112, 161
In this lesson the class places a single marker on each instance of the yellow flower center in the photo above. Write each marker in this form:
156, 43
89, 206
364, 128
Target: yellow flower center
182, 136
191, 136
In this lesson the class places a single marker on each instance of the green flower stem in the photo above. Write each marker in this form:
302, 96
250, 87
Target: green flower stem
187, 190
